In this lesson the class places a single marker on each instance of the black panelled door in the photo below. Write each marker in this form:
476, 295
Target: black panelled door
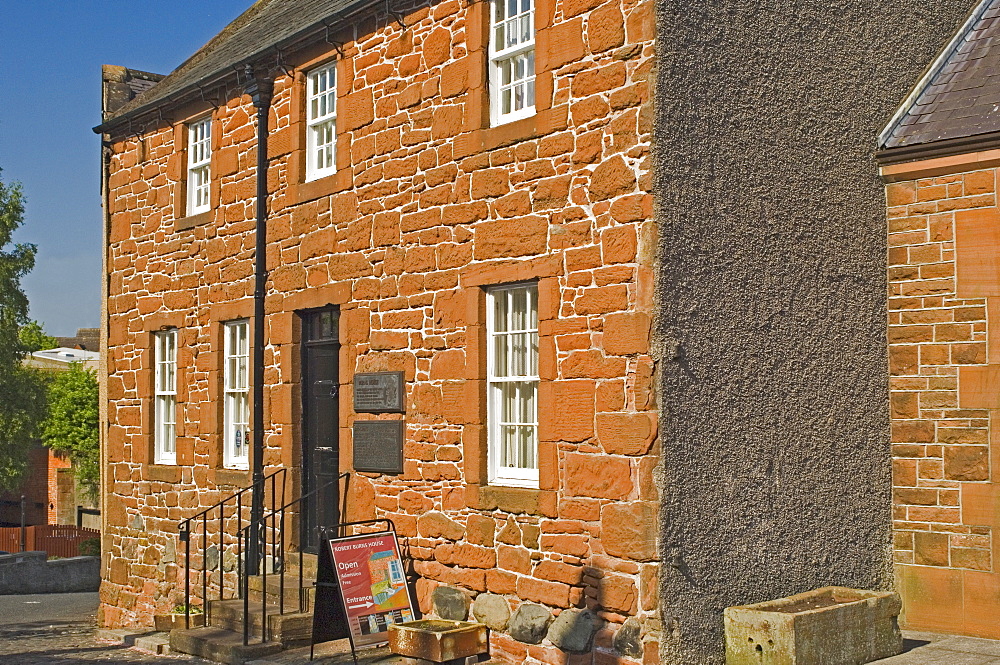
321, 426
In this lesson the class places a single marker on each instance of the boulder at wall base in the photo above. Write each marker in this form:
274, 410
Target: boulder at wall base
573, 630
628, 639
530, 623
450, 603
492, 610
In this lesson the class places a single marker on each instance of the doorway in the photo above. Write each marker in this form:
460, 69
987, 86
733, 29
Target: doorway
320, 423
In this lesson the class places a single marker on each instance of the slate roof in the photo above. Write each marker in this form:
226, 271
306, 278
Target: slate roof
959, 97
265, 24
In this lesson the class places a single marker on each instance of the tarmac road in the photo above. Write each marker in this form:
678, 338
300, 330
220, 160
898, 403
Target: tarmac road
58, 629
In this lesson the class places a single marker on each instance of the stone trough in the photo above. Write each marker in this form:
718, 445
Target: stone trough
828, 626
438, 640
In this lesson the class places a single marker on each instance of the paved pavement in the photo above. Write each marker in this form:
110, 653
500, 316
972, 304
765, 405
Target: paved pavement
58, 629
934, 649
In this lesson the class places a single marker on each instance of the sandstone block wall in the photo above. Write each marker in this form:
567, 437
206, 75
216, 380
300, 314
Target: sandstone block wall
943, 355
428, 206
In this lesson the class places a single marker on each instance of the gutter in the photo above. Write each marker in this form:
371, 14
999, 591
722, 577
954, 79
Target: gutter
323, 27
962, 145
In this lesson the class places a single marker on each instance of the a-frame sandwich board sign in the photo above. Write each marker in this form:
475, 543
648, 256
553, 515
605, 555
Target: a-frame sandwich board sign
369, 583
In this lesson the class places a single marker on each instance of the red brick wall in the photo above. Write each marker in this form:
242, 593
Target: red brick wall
428, 206
943, 349
34, 488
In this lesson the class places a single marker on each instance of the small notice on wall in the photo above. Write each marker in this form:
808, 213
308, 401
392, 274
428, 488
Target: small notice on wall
372, 585
378, 392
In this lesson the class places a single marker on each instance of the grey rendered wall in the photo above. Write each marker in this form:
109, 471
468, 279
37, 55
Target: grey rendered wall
30, 572
772, 296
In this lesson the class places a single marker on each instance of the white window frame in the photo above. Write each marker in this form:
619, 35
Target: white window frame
199, 166
236, 394
503, 373
519, 49
165, 397
321, 121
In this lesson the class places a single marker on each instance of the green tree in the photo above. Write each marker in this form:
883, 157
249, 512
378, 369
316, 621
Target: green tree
72, 423
34, 338
22, 391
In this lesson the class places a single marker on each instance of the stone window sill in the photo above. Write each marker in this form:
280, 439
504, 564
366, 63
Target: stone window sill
304, 192
232, 477
166, 473
512, 499
543, 122
192, 221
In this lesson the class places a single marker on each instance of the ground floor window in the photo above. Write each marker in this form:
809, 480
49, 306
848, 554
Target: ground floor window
512, 384
165, 397
236, 402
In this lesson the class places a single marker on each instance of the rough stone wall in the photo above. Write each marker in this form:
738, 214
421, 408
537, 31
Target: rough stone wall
943, 389
771, 297
428, 206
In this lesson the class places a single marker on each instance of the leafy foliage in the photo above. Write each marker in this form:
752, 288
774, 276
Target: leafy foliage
22, 391
34, 338
72, 425
90, 547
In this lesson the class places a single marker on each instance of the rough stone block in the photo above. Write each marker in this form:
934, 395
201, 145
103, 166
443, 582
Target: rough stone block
492, 610
450, 603
530, 623
573, 630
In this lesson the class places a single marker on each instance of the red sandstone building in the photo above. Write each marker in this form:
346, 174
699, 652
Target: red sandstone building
457, 195
939, 159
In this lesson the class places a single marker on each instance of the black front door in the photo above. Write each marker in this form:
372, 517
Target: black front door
321, 427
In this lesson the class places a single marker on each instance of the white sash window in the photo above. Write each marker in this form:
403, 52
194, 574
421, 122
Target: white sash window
236, 401
199, 172
321, 121
512, 385
165, 397
512, 60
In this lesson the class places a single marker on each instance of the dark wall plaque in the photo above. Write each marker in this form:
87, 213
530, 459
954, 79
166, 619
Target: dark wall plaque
378, 392
378, 446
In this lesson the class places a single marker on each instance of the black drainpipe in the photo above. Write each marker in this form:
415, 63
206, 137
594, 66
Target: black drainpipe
259, 91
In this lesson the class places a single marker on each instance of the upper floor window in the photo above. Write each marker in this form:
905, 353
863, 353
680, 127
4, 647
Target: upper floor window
199, 160
512, 385
165, 397
512, 60
236, 402
321, 121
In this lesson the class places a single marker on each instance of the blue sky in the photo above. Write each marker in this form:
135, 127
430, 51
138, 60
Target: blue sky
51, 54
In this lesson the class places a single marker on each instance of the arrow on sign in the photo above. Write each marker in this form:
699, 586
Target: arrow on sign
366, 604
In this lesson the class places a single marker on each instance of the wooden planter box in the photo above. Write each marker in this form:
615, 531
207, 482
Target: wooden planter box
828, 626
437, 640
167, 622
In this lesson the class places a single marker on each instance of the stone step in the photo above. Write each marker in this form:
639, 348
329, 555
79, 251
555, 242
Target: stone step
291, 629
256, 585
220, 645
309, 562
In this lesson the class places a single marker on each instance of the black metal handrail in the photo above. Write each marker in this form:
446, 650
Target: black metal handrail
277, 521
184, 531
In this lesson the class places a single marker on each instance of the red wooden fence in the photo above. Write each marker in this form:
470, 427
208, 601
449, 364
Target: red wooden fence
56, 539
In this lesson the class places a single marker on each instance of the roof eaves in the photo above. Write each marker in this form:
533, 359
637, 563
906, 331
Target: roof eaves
941, 148
221, 74
932, 71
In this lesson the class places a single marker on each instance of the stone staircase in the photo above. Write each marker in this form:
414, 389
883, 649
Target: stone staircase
222, 639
